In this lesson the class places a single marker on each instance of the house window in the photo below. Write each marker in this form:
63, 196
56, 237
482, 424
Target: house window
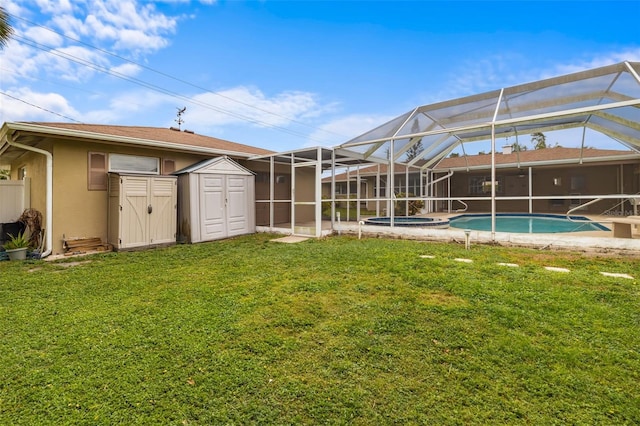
168, 166
481, 185
577, 183
263, 177
97, 171
22, 173
134, 164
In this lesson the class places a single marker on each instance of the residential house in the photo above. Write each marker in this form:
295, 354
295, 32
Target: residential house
68, 165
551, 180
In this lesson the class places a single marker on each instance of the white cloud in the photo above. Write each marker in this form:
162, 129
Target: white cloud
343, 129
482, 75
13, 8
16, 62
126, 69
26, 105
69, 25
279, 110
43, 36
631, 54
128, 27
139, 100
139, 40
76, 68
479, 75
128, 24
53, 6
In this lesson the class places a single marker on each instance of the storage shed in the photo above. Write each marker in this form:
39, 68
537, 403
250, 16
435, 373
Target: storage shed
216, 199
142, 210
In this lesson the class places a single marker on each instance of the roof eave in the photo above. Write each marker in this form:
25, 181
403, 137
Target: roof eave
522, 164
104, 137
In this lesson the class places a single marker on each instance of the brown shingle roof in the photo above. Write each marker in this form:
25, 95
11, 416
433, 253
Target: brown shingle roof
532, 156
529, 156
158, 134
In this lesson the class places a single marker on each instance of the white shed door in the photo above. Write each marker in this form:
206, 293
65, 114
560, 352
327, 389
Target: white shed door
212, 201
133, 218
237, 208
163, 202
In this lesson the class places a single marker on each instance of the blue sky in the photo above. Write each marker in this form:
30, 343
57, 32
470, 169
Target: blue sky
290, 74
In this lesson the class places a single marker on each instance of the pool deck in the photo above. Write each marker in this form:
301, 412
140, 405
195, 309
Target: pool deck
585, 241
591, 241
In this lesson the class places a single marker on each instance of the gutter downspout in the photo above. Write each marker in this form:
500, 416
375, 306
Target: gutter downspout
49, 196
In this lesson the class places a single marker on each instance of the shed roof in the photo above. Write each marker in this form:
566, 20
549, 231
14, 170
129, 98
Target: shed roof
219, 165
605, 99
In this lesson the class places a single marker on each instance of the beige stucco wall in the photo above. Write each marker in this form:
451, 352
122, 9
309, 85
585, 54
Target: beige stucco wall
77, 211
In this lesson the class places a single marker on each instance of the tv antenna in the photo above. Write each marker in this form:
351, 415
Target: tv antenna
179, 120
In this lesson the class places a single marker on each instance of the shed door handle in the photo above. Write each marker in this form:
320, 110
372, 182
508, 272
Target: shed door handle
149, 209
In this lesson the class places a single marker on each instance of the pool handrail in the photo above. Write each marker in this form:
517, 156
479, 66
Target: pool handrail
581, 206
466, 206
568, 214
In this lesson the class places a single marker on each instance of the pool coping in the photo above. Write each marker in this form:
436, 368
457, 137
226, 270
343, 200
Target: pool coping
593, 241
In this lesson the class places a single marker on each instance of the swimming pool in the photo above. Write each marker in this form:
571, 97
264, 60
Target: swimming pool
430, 222
525, 223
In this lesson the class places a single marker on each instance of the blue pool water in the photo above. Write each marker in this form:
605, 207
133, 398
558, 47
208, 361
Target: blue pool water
524, 223
409, 221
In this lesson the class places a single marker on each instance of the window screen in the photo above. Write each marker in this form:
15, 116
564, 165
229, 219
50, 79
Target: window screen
134, 164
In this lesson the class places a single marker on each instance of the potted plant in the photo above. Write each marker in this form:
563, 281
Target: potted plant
17, 246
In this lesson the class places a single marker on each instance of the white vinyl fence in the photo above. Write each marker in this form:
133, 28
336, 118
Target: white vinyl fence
14, 198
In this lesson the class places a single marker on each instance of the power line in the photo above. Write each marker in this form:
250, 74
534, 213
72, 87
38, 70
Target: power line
52, 51
39, 107
222, 110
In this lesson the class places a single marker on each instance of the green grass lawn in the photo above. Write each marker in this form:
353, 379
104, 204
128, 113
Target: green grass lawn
331, 331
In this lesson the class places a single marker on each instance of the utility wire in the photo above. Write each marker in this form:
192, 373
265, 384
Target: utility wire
72, 58
183, 81
39, 107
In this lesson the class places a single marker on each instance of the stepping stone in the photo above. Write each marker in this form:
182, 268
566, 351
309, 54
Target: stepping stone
427, 256
554, 269
511, 265
291, 239
611, 274
463, 260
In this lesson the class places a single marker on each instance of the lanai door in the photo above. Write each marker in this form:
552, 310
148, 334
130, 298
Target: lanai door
304, 200
212, 207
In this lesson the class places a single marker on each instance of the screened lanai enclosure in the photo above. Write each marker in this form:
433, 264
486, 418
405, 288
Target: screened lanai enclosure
468, 154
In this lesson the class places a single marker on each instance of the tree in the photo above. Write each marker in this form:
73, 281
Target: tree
518, 147
417, 147
539, 140
5, 28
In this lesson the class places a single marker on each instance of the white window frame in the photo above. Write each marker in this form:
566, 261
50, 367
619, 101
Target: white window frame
113, 156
